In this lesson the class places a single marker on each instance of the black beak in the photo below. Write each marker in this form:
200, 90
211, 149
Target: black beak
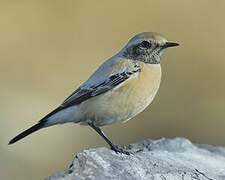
169, 44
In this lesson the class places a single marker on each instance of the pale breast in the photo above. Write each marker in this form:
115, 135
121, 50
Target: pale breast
142, 90
126, 100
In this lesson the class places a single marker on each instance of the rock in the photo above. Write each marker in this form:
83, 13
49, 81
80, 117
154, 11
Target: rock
163, 159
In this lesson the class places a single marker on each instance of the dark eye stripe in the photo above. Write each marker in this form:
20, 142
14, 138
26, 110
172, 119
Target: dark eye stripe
145, 44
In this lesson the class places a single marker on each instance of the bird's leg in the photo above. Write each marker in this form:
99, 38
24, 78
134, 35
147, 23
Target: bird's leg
115, 148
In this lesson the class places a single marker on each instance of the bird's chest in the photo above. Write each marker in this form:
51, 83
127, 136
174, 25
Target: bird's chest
137, 93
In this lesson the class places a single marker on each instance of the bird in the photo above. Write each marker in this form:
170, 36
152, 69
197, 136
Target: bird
122, 87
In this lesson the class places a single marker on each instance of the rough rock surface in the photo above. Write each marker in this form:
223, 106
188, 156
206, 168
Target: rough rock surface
163, 159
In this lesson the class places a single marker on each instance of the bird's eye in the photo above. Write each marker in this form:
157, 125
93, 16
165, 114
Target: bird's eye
145, 44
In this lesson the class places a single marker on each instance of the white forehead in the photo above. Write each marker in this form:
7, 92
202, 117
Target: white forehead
148, 36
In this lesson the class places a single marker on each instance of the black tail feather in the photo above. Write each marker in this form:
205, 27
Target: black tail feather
36, 127
27, 132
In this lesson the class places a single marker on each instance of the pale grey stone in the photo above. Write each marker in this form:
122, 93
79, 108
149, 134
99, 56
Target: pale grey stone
163, 159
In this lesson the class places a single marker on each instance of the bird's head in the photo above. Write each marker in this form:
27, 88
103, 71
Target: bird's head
147, 47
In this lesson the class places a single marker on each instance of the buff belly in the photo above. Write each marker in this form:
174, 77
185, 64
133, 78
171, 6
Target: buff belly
125, 101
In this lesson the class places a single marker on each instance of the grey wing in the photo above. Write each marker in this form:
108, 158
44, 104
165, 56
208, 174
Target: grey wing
85, 92
99, 83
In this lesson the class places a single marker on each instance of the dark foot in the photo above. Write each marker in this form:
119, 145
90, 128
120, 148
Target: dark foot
119, 149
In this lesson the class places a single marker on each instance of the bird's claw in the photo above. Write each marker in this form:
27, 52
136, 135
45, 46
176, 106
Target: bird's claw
119, 149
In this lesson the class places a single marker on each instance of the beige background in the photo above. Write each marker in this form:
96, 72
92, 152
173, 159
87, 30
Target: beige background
47, 48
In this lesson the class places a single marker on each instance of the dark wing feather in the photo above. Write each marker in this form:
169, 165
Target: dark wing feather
83, 93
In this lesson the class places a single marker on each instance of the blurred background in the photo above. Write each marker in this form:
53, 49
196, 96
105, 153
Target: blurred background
48, 48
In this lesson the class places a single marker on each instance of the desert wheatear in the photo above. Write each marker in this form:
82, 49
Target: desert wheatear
121, 87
